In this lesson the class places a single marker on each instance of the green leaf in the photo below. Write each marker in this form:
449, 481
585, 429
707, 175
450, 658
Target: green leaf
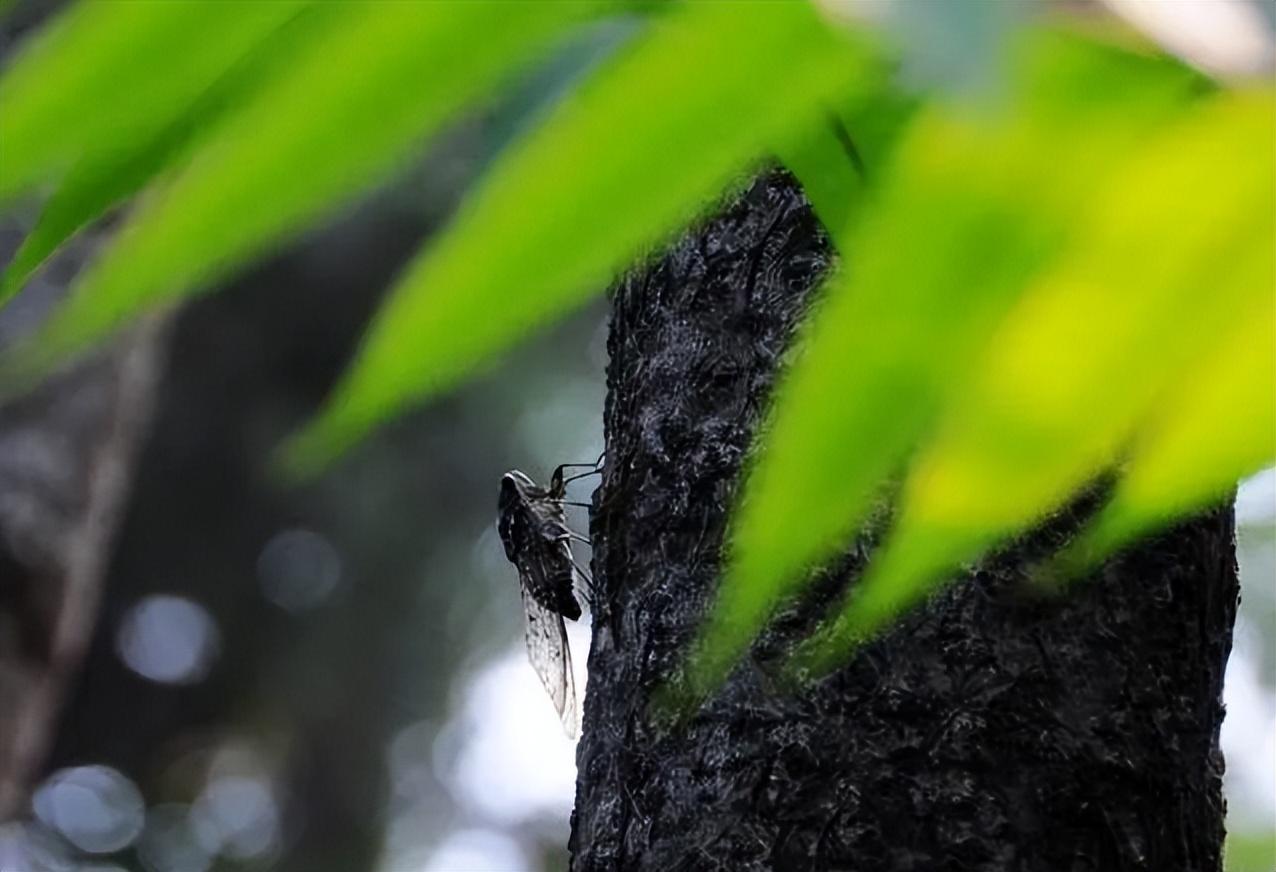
830, 169
1215, 428
1168, 250
837, 157
104, 76
102, 179
1249, 851
973, 205
349, 110
636, 151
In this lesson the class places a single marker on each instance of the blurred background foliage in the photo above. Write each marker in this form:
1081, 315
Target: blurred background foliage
1058, 241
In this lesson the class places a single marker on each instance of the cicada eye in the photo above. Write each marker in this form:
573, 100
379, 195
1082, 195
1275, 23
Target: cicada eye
556, 485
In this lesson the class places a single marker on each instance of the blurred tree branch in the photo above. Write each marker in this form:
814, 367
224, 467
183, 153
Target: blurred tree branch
66, 458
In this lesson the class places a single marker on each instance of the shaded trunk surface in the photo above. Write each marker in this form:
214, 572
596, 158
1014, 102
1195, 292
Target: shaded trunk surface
991, 730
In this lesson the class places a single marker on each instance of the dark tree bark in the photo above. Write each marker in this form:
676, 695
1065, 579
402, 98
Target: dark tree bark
992, 729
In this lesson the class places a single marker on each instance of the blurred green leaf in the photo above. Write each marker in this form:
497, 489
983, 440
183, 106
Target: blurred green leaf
837, 156
102, 179
1215, 428
637, 150
824, 160
973, 205
348, 111
1167, 252
1001, 242
103, 77
1250, 852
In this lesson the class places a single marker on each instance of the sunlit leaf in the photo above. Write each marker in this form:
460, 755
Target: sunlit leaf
1169, 250
103, 178
350, 109
104, 76
638, 149
972, 207
1216, 428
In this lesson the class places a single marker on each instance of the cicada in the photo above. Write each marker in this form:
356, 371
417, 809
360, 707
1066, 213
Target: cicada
537, 540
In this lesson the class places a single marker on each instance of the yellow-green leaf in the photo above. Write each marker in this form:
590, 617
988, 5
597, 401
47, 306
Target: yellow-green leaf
1217, 427
972, 207
634, 153
1170, 249
104, 76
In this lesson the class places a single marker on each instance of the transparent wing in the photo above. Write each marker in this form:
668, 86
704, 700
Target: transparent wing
552, 659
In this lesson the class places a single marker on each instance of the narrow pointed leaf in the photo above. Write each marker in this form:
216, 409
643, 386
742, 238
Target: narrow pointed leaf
103, 178
1089, 347
970, 209
635, 153
350, 109
1083, 356
1219, 427
104, 76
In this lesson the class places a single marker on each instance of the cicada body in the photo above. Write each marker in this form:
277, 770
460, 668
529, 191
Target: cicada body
537, 540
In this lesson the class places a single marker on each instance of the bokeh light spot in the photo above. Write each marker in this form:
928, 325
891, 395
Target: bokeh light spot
168, 639
94, 808
237, 816
298, 569
168, 843
477, 850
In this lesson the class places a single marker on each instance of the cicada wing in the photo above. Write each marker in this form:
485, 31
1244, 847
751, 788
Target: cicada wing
551, 657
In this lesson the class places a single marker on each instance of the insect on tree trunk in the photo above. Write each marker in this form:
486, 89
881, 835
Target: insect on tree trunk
990, 730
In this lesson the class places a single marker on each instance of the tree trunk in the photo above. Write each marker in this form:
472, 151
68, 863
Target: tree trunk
990, 730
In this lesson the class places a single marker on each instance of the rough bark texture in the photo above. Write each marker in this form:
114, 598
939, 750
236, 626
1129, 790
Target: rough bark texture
991, 730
